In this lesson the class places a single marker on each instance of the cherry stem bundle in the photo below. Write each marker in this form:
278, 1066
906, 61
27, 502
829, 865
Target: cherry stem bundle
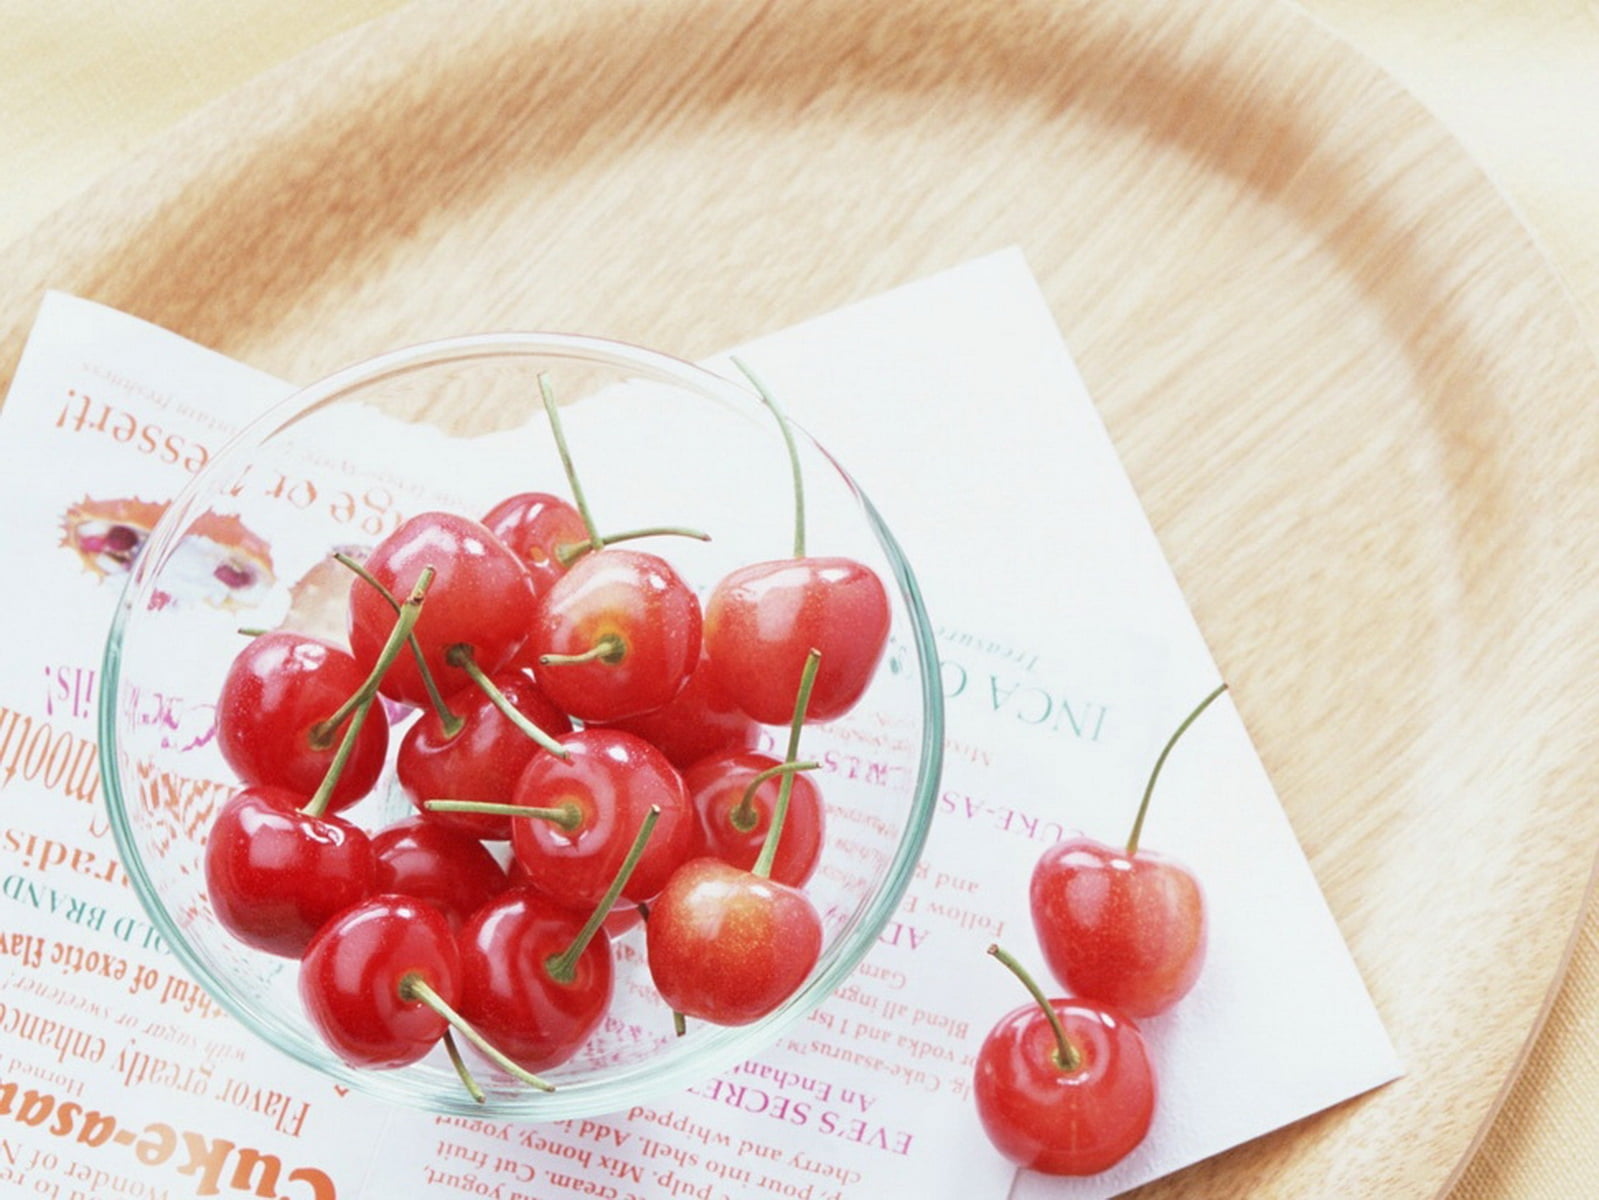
452, 723
366, 694
566, 816
793, 454
552, 411
460, 655
743, 815
413, 987
802, 701
1066, 1056
563, 967
1149, 788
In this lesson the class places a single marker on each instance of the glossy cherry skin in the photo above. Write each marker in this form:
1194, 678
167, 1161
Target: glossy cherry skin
275, 875
716, 787
762, 620
727, 946
1128, 932
1063, 1122
701, 720
278, 688
507, 991
449, 869
482, 597
638, 600
351, 974
484, 759
535, 526
613, 778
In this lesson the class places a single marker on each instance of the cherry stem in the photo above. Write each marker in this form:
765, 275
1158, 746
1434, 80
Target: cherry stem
460, 655
568, 553
551, 410
1149, 788
802, 700
452, 723
743, 815
414, 987
367, 693
461, 1069
1066, 1056
793, 454
568, 816
679, 1023
608, 648
250, 631
562, 967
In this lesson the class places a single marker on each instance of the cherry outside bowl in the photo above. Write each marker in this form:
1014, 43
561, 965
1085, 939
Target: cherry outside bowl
459, 424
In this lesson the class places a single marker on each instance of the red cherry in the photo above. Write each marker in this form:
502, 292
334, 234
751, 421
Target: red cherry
278, 692
354, 980
538, 977
1072, 1098
451, 870
762, 619
716, 788
482, 598
610, 782
616, 636
536, 526
1125, 930
728, 946
1125, 927
507, 990
275, 874
701, 720
483, 759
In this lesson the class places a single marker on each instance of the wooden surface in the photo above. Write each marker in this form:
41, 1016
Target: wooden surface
1356, 399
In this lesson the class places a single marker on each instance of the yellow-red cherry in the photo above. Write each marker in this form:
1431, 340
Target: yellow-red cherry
1127, 930
728, 946
1122, 925
616, 636
761, 621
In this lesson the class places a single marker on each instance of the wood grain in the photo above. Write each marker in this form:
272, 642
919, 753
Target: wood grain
1349, 390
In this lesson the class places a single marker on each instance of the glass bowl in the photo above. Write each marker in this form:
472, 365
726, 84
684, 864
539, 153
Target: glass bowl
459, 424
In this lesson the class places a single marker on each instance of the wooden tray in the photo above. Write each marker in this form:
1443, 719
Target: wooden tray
1354, 399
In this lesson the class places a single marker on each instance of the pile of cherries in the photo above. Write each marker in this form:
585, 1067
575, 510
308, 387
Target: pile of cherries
1066, 1085
573, 701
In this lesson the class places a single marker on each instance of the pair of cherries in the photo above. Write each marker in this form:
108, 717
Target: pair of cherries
1066, 1085
577, 703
